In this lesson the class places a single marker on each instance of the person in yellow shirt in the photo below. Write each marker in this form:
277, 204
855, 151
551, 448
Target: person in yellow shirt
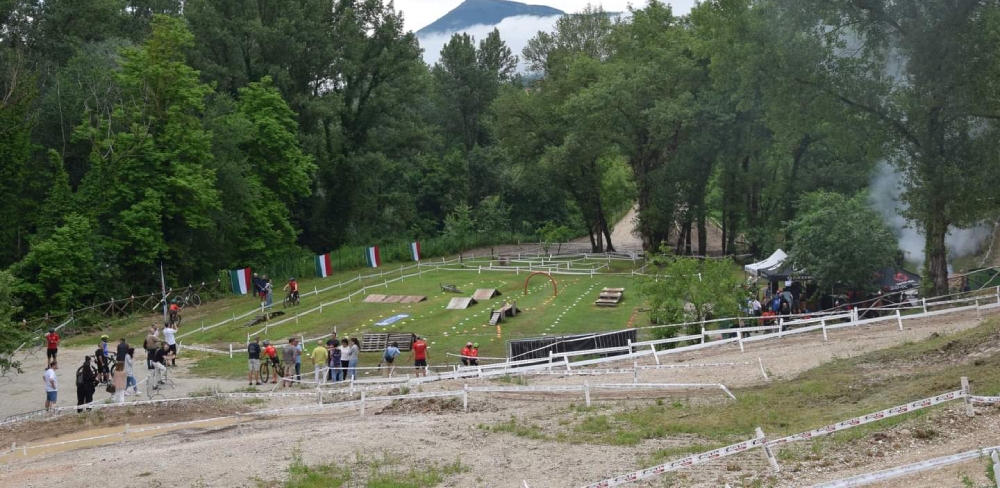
319, 356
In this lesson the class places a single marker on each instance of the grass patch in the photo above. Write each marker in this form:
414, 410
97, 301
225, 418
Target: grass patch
254, 401
513, 426
512, 380
383, 472
834, 391
203, 392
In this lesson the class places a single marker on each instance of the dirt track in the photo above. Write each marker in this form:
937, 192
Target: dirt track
419, 435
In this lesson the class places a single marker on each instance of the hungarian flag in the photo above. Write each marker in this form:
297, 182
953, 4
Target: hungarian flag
415, 250
323, 267
372, 257
241, 280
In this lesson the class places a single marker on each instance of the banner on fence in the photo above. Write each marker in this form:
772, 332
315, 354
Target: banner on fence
372, 257
323, 267
241, 280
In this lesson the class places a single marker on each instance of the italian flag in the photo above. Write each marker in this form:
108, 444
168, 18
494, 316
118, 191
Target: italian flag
372, 257
241, 280
415, 250
323, 267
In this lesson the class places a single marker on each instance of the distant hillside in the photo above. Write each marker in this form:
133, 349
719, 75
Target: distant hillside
484, 12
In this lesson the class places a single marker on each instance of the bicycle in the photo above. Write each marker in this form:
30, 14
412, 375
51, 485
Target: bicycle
290, 300
265, 370
189, 298
175, 319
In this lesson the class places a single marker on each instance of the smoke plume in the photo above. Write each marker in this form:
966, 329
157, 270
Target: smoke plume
883, 196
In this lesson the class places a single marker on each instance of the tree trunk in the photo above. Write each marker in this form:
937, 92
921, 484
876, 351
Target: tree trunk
702, 234
593, 243
679, 248
687, 237
936, 262
609, 247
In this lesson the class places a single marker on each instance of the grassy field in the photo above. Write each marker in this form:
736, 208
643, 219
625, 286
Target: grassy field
834, 391
571, 311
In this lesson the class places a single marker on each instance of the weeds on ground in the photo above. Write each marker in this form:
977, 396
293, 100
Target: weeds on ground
512, 426
254, 401
386, 471
203, 392
512, 380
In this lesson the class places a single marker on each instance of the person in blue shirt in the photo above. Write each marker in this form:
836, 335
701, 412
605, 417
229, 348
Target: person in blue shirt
389, 357
298, 356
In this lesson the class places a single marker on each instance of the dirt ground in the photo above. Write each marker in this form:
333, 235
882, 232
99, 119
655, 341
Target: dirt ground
437, 431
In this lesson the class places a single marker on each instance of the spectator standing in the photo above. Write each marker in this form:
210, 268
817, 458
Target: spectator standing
51, 384
419, 355
288, 357
86, 383
160, 365
389, 357
345, 357
334, 347
319, 358
253, 361
268, 292
121, 351
130, 373
170, 338
151, 344
101, 361
51, 345
255, 283
298, 360
120, 379
352, 363
331, 345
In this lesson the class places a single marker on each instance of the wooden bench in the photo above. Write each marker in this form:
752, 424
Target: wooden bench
374, 342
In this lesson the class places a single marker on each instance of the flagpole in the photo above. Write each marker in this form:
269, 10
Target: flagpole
163, 288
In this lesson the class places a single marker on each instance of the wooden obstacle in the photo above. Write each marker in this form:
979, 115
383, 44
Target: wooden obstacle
373, 342
375, 298
507, 310
460, 303
484, 294
610, 297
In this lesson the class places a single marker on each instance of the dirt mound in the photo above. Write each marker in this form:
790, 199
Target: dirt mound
69, 423
422, 406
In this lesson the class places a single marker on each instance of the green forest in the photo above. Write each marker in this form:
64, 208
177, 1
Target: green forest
216, 134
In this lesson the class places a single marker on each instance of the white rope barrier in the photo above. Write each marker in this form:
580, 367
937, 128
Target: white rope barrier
868, 478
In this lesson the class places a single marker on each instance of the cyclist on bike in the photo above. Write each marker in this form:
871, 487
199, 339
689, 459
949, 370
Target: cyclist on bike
272, 355
174, 310
293, 288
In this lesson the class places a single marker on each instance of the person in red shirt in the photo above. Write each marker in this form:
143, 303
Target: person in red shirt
272, 355
174, 310
52, 339
419, 354
474, 352
466, 353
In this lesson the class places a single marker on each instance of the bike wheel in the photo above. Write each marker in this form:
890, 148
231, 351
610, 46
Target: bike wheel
287, 302
265, 373
178, 320
195, 299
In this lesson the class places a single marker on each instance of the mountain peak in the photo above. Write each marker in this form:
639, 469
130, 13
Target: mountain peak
484, 12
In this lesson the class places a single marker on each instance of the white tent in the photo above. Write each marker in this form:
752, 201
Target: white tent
773, 261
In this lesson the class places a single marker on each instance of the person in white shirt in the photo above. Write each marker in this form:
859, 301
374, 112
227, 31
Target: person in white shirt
169, 334
51, 385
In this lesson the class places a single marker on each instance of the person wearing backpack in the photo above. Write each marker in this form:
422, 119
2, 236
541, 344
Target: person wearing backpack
86, 384
389, 357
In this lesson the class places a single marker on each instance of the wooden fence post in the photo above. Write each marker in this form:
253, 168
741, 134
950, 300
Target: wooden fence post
969, 410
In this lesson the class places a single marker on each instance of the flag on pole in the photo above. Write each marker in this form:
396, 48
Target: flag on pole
372, 257
241, 280
323, 267
415, 250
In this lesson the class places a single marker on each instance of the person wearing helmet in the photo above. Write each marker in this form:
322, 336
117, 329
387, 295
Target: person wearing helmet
175, 310
293, 288
52, 345
474, 352
271, 354
466, 353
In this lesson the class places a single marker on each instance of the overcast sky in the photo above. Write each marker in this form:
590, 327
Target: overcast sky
515, 31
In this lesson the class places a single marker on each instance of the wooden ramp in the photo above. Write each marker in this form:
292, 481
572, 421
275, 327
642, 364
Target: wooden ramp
373, 298
392, 299
484, 294
374, 342
376, 298
413, 299
507, 310
610, 297
460, 303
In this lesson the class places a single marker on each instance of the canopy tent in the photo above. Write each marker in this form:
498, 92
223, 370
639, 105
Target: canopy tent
772, 261
784, 272
896, 279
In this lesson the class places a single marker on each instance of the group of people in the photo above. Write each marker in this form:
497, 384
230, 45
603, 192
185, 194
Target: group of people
470, 354
332, 360
97, 368
264, 289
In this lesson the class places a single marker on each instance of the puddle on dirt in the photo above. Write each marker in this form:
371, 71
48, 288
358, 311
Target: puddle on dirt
105, 436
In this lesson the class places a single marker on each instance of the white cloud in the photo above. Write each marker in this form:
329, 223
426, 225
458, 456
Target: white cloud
515, 31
